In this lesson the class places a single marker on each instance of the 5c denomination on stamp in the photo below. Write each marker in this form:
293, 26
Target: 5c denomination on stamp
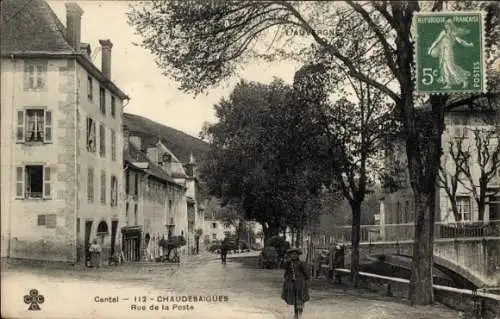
449, 48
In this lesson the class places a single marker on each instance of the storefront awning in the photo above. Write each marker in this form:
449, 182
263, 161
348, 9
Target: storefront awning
131, 229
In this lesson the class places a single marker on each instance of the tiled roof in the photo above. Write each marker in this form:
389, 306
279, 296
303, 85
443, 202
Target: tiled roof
31, 26
133, 155
179, 143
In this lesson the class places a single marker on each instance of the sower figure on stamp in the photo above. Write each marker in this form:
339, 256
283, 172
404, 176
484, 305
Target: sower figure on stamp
95, 254
295, 288
444, 48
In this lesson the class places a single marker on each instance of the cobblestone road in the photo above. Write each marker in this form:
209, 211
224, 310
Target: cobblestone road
252, 293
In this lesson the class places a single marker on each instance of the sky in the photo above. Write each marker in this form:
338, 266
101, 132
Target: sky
134, 70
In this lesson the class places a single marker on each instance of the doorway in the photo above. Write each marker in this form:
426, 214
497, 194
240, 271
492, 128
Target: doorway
88, 231
494, 213
114, 227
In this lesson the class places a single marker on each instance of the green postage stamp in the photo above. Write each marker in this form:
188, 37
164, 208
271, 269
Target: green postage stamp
449, 49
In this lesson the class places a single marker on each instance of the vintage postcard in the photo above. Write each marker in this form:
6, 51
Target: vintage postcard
249, 159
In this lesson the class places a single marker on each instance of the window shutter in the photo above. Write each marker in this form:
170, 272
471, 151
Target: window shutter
20, 126
48, 127
27, 75
20, 182
46, 183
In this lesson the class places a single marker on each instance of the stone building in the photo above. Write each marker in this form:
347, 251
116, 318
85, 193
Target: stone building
175, 153
155, 205
397, 207
61, 144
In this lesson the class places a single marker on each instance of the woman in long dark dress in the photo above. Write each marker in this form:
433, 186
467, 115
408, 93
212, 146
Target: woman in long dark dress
295, 288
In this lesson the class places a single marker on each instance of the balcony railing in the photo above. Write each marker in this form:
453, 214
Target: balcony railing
402, 232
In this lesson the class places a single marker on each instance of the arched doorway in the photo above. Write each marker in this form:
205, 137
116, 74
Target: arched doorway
102, 230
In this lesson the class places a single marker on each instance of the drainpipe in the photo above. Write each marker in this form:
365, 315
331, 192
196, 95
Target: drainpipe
75, 81
9, 239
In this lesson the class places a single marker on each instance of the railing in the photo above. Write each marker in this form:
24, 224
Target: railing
402, 232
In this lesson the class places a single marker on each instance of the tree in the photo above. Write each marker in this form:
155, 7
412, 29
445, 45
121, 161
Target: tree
201, 44
480, 166
449, 177
354, 130
230, 215
257, 159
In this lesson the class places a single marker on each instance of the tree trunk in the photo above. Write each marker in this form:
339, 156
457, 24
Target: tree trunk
454, 209
355, 239
421, 291
481, 202
424, 157
298, 238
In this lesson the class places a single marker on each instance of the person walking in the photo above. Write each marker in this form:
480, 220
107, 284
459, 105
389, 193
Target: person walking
95, 254
295, 287
224, 247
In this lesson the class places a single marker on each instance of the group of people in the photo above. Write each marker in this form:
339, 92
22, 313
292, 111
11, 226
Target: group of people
95, 254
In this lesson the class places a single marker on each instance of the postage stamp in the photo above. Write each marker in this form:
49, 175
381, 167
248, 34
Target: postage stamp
449, 51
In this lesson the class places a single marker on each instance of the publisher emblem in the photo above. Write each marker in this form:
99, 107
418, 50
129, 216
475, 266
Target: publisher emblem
34, 299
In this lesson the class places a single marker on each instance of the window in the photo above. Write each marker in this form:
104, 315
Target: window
102, 140
136, 221
169, 205
35, 74
464, 208
113, 106
91, 135
103, 187
398, 213
214, 236
34, 125
127, 181
51, 221
33, 181
114, 191
48, 221
136, 184
214, 225
113, 145
90, 88
127, 205
41, 220
408, 218
102, 100
90, 185
459, 125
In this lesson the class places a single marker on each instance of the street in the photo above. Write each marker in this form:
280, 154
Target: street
201, 287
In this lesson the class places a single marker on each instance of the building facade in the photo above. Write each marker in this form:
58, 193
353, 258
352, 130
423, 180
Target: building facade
397, 207
61, 139
477, 134
155, 204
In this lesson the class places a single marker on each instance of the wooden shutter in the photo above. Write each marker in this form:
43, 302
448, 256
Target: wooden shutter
48, 127
29, 72
20, 126
47, 191
20, 182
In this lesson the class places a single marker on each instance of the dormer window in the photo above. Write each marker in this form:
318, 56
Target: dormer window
35, 75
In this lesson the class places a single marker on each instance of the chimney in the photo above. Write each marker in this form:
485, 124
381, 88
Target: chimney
136, 141
126, 134
73, 25
106, 47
